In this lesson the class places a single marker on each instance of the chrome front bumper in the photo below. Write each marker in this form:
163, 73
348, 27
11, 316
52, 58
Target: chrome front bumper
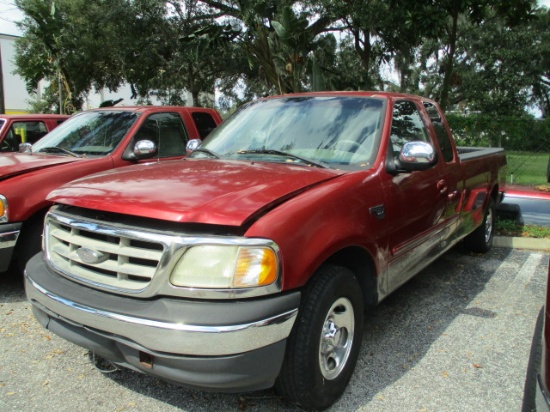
212, 345
166, 325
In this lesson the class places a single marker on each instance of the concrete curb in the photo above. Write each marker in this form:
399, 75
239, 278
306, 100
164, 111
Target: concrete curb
522, 243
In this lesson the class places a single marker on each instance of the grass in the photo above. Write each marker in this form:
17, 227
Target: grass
505, 227
527, 168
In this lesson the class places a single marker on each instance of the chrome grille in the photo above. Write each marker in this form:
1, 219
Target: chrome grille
124, 263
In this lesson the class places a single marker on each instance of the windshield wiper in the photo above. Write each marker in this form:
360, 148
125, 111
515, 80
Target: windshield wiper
281, 153
57, 149
207, 151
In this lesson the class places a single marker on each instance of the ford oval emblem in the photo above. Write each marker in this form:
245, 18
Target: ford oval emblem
91, 256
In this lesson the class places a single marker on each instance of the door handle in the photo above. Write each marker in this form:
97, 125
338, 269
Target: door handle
453, 195
442, 187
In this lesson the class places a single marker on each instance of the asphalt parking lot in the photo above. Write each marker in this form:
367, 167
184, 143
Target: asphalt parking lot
455, 338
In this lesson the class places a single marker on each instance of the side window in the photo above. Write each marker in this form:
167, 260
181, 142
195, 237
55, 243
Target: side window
407, 126
205, 123
443, 137
167, 131
11, 141
28, 132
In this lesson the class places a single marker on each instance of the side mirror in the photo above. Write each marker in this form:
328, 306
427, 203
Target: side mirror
143, 149
25, 148
416, 156
193, 145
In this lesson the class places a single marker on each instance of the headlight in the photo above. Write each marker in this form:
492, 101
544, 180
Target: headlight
3, 209
226, 267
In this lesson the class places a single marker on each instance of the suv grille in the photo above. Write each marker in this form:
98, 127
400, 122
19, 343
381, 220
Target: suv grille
101, 255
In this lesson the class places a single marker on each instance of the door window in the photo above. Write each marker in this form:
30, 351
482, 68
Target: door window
407, 126
21, 132
167, 131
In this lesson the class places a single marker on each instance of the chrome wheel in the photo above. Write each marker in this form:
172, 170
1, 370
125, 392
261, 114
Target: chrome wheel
336, 338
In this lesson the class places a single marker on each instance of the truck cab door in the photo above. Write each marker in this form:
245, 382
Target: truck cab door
451, 180
415, 202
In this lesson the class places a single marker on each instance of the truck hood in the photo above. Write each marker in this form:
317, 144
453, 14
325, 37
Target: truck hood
193, 190
13, 164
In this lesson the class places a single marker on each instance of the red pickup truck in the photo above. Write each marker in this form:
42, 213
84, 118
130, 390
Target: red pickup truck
251, 263
89, 142
21, 128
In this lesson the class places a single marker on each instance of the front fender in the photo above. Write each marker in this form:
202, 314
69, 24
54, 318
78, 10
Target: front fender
328, 218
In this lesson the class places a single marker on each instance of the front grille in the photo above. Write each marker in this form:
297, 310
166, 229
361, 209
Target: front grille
118, 260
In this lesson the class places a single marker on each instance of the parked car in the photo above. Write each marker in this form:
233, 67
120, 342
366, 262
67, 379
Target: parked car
21, 128
89, 142
251, 263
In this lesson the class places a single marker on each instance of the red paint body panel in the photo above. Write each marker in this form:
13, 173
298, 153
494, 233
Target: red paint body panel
192, 190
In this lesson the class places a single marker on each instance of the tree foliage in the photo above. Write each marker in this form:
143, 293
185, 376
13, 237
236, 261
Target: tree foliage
490, 56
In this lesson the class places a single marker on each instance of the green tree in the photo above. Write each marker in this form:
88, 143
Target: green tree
279, 40
541, 65
461, 15
81, 44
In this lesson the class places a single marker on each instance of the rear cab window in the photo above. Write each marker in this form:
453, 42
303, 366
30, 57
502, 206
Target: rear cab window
441, 132
204, 122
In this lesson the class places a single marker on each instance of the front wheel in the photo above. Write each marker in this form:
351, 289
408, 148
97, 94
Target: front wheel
324, 345
481, 239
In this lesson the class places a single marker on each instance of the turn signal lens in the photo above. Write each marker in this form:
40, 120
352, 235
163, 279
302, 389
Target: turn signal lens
255, 267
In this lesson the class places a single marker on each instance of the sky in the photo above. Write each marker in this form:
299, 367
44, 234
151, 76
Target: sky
9, 14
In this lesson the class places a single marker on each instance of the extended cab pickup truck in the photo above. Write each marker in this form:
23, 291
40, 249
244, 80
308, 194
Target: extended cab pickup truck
250, 262
26, 128
89, 142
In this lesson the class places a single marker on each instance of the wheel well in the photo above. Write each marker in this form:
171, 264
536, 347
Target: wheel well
361, 264
29, 223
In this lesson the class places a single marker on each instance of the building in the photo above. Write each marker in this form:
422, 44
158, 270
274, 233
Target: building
17, 99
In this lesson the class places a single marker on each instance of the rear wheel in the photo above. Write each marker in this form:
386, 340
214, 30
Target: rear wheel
324, 345
481, 239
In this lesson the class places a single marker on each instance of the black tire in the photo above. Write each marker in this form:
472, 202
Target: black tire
323, 347
29, 242
481, 239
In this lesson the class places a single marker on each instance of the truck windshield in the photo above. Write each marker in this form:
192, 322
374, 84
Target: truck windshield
88, 133
314, 131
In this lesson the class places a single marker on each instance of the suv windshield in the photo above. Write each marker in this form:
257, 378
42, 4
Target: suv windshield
314, 131
87, 133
